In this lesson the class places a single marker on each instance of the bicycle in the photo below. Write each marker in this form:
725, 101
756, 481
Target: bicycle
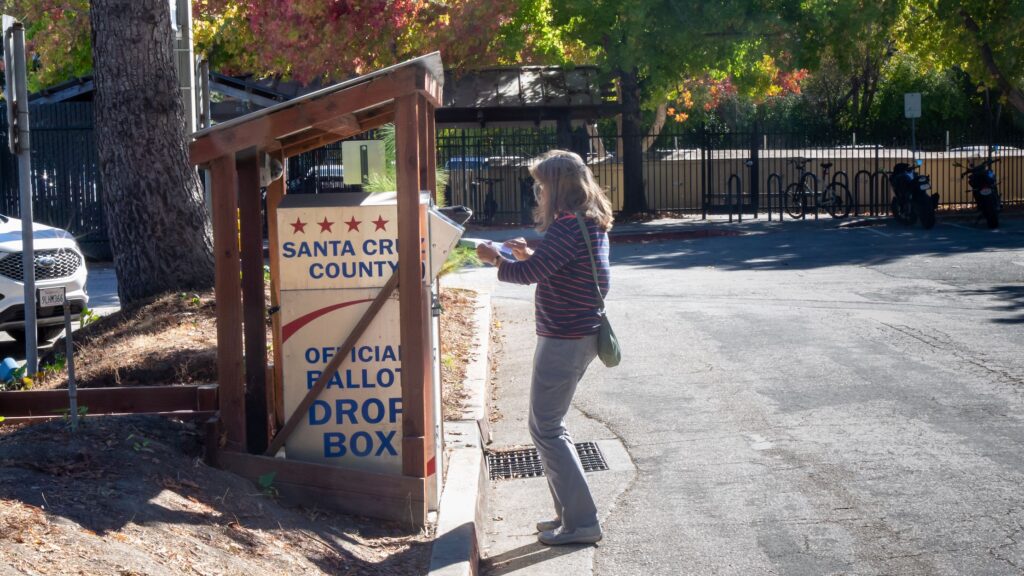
835, 198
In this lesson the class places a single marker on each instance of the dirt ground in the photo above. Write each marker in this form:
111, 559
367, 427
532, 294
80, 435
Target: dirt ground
131, 496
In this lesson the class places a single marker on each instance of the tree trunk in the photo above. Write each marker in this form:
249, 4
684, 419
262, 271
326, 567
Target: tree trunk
633, 199
1014, 95
159, 231
656, 128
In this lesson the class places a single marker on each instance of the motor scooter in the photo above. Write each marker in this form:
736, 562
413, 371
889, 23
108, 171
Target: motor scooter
982, 180
911, 199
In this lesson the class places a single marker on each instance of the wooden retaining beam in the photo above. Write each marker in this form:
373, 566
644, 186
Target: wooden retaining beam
323, 486
192, 401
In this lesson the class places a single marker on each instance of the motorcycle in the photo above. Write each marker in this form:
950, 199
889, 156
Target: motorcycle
982, 181
911, 199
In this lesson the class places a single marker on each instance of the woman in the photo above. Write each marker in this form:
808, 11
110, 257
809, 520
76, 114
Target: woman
568, 317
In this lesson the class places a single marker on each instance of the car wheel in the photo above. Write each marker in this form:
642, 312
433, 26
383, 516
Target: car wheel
45, 334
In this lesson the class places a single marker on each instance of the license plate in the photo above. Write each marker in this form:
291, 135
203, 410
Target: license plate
51, 297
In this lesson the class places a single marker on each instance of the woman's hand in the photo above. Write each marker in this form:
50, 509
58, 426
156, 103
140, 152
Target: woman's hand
519, 248
487, 253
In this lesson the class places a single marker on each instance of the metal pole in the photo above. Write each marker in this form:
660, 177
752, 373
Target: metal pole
206, 122
24, 151
69, 359
913, 137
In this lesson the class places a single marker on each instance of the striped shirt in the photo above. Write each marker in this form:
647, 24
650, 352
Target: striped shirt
566, 301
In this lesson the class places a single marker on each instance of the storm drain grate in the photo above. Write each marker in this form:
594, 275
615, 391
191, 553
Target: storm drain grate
525, 462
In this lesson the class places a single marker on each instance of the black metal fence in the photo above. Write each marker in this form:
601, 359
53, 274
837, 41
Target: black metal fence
65, 175
772, 162
698, 172
685, 170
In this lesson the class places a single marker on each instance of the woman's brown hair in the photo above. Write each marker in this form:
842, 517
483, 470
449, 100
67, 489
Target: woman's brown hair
569, 186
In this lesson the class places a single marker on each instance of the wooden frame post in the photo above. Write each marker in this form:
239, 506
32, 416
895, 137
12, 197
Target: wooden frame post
431, 152
413, 308
227, 290
253, 301
275, 193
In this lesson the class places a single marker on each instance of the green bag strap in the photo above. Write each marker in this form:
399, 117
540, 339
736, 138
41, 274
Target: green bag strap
590, 251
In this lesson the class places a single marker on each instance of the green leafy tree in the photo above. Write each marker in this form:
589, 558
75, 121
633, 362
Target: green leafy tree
946, 99
983, 37
57, 33
651, 46
846, 43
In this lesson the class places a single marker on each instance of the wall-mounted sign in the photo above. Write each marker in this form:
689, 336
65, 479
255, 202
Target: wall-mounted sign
336, 252
356, 421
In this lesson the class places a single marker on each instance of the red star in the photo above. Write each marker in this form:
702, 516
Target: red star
298, 226
379, 223
353, 224
325, 226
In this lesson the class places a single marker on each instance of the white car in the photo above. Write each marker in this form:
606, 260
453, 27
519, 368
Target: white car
58, 263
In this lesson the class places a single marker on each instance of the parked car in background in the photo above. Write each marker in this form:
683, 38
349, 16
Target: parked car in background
322, 178
59, 263
982, 150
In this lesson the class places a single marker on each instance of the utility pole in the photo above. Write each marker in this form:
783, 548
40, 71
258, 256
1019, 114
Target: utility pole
16, 93
184, 59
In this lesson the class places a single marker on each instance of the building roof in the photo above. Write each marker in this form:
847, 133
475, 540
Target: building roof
76, 89
526, 94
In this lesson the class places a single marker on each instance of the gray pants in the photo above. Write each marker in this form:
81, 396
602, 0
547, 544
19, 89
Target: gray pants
558, 365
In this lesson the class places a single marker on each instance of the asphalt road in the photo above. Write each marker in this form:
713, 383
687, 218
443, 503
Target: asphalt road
807, 400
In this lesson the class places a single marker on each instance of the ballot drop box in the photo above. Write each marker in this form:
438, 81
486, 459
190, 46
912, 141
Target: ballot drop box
336, 252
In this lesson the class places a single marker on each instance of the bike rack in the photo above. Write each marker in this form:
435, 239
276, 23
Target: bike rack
876, 194
845, 178
739, 196
856, 191
814, 187
777, 179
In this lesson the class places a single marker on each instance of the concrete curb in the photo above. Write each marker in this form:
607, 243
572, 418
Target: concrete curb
456, 548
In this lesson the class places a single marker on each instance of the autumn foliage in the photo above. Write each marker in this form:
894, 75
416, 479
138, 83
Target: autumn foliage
310, 39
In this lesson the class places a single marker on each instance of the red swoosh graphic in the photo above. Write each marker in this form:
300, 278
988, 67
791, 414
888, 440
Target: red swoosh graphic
295, 325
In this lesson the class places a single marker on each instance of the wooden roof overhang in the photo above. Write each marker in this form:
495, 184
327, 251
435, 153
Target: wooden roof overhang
325, 116
251, 426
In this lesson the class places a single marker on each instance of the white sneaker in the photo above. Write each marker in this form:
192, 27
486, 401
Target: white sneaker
547, 525
558, 536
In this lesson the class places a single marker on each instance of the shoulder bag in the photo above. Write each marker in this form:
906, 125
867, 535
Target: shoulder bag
607, 344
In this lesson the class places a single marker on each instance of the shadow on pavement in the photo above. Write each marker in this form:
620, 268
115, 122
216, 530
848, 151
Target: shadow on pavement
800, 248
1012, 301
524, 557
